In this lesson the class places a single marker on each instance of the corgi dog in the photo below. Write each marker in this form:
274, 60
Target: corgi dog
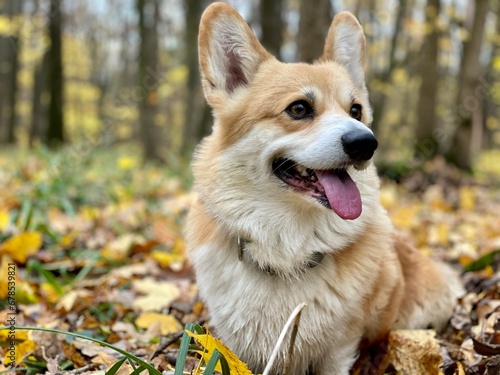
288, 211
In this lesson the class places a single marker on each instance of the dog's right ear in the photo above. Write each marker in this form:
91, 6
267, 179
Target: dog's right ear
345, 44
229, 52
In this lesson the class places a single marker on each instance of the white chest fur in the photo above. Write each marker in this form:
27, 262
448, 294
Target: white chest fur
250, 307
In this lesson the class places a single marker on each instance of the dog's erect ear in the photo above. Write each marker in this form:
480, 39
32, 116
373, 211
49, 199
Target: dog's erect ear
229, 51
345, 44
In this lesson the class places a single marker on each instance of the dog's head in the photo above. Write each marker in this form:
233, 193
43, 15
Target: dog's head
284, 133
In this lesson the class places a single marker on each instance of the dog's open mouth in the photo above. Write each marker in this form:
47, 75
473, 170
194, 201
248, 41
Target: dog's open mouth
333, 188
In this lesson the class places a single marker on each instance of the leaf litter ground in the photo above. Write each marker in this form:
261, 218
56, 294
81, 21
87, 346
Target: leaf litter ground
95, 242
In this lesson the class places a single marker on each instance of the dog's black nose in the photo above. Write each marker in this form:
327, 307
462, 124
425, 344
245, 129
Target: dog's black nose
359, 144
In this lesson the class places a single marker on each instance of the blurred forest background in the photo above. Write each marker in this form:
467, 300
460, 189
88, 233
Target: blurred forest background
101, 107
89, 74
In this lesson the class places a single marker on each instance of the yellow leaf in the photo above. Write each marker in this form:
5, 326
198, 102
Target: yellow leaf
25, 294
388, 196
4, 219
6, 265
21, 335
210, 343
405, 217
22, 245
18, 291
126, 162
49, 292
119, 248
90, 213
487, 272
68, 239
173, 259
168, 323
496, 63
465, 260
467, 198
21, 351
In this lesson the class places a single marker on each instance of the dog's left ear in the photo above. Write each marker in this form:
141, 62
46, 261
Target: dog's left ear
229, 52
345, 44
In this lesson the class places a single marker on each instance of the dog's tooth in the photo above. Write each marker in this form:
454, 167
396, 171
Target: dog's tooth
304, 173
313, 177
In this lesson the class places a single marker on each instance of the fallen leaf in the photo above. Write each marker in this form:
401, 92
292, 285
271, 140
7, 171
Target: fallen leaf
119, 248
21, 351
21, 246
126, 162
210, 343
168, 323
467, 198
4, 219
158, 294
415, 352
69, 299
6, 264
126, 272
73, 353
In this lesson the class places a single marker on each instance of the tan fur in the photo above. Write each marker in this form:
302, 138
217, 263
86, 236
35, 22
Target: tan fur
369, 280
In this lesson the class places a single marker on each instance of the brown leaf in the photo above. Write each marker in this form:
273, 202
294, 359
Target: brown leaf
415, 352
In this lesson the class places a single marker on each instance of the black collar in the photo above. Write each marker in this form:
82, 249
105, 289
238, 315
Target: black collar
313, 261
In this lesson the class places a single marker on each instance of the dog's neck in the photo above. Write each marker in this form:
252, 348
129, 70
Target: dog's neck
244, 256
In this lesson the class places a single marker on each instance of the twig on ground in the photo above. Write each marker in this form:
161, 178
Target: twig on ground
81, 370
277, 347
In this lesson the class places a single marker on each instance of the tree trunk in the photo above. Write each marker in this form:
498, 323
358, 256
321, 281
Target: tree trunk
469, 101
315, 19
15, 10
38, 123
426, 145
385, 78
271, 22
9, 60
148, 76
195, 103
55, 132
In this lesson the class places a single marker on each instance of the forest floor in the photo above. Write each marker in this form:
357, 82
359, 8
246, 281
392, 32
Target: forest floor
93, 244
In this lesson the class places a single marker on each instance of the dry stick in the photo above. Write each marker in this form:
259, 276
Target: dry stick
288, 358
276, 349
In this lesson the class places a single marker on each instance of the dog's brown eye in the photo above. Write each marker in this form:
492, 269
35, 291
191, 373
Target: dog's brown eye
355, 112
300, 110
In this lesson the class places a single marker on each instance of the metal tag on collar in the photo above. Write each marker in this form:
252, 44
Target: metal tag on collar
241, 244
315, 260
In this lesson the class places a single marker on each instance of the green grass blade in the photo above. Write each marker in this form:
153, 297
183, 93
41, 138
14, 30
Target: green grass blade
483, 262
224, 366
137, 371
34, 264
13, 370
196, 327
114, 369
209, 370
86, 269
183, 349
26, 214
142, 363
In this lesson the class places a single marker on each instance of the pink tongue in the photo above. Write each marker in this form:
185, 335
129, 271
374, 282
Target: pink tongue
342, 193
